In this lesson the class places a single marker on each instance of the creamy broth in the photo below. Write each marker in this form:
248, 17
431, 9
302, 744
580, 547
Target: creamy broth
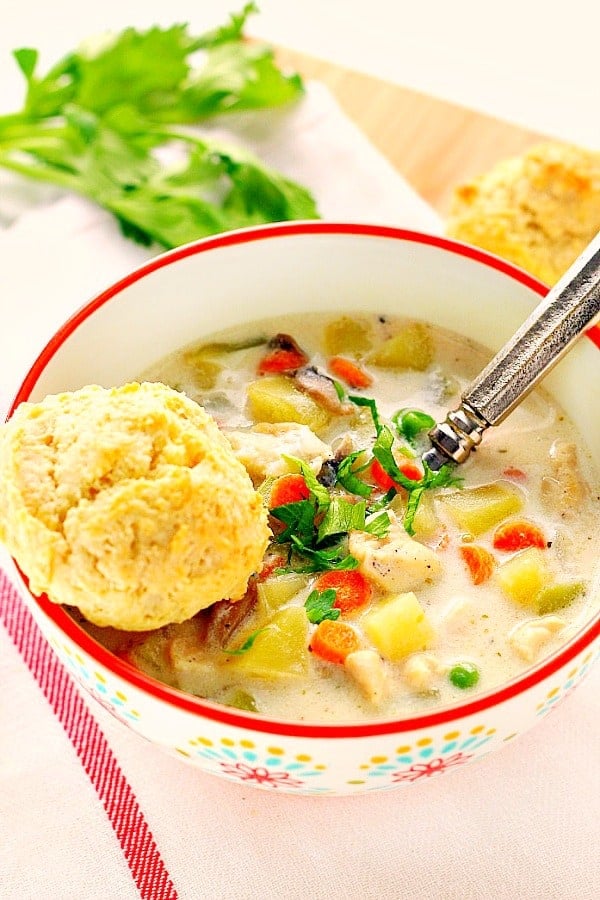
493, 628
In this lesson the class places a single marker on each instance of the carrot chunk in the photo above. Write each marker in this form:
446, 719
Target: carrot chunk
334, 640
350, 372
383, 480
480, 562
518, 535
284, 355
352, 590
288, 489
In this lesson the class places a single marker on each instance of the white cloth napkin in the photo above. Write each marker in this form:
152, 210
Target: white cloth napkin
521, 824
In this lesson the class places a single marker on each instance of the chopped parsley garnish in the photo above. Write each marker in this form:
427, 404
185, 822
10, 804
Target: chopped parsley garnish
323, 560
299, 519
382, 451
371, 405
347, 475
317, 490
341, 517
320, 606
377, 524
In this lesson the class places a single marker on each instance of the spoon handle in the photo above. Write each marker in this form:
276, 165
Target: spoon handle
543, 339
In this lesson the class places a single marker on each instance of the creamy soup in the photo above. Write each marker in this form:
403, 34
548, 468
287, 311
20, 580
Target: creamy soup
386, 590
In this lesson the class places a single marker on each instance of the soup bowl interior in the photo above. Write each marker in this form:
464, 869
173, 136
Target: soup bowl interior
303, 268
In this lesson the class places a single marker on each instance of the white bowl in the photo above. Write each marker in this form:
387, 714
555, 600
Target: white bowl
304, 267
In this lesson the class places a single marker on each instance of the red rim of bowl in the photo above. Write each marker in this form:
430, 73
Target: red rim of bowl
207, 709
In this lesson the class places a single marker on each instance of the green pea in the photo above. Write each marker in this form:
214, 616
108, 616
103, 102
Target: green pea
411, 422
464, 676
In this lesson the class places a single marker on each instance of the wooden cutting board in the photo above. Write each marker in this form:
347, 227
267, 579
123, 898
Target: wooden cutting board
435, 145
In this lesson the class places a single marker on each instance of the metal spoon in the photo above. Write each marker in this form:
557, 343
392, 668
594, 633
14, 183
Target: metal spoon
544, 338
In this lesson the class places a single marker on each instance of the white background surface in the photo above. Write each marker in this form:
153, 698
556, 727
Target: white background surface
530, 61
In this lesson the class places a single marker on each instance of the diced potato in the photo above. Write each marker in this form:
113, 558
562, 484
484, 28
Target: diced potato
411, 348
346, 335
280, 651
478, 509
206, 373
522, 577
276, 399
399, 626
557, 596
276, 591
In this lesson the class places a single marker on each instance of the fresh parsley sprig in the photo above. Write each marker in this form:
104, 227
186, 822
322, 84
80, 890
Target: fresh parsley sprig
319, 605
382, 451
104, 120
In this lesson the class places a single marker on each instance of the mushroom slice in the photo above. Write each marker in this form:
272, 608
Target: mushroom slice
322, 389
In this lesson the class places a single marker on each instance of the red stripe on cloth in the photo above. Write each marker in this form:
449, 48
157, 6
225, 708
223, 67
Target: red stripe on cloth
139, 848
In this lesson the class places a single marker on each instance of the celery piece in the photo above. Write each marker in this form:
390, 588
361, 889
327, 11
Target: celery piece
557, 596
240, 699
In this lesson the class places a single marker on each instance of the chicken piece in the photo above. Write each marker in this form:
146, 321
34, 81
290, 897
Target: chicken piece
458, 614
421, 671
563, 489
368, 670
260, 449
396, 563
528, 639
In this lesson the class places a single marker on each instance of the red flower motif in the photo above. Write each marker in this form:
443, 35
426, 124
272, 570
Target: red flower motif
432, 767
260, 775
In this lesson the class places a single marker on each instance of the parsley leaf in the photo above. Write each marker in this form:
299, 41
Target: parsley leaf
323, 560
341, 517
444, 477
318, 491
371, 405
319, 606
382, 451
378, 524
299, 517
347, 475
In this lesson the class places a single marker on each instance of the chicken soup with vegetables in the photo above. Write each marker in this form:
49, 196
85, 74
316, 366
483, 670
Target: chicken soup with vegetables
386, 588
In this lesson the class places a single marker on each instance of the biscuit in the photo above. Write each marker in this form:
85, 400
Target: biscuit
129, 504
538, 210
